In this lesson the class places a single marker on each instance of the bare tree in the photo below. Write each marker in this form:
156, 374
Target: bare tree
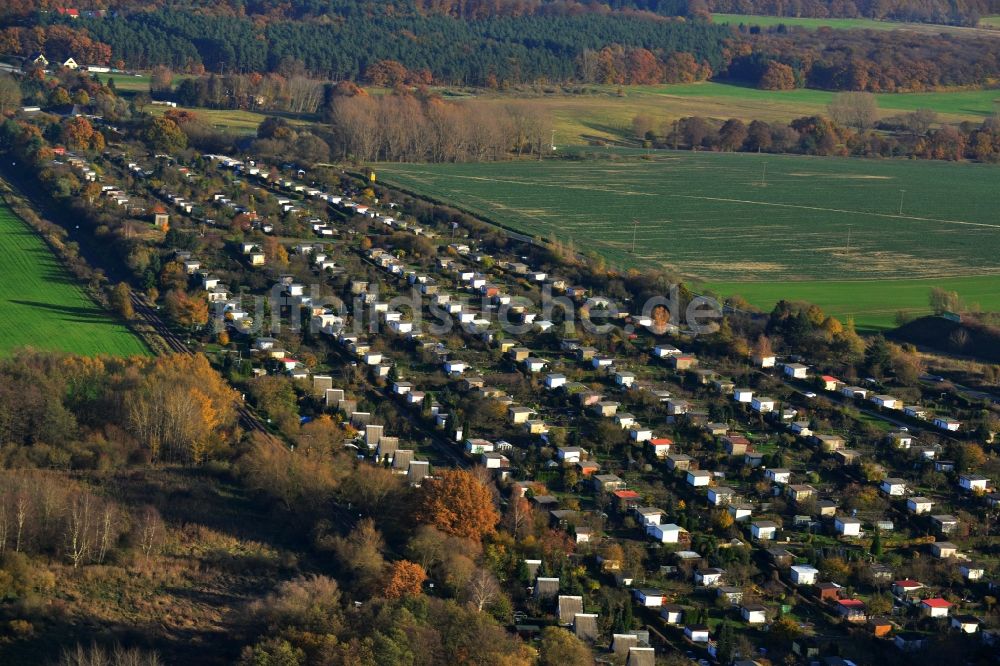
304, 95
150, 530
482, 590
4, 527
920, 120
106, 533
20, 516
78, 529
98, 656
854, 109
959, 339
518, 517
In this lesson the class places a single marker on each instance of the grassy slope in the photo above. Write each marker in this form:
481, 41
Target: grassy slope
41, 307
708, 217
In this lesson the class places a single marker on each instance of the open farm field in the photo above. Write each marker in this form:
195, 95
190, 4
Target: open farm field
41, 306
768, 227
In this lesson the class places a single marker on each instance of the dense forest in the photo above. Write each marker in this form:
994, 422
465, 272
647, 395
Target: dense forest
313, 9
496, 44
963, 12
456, 52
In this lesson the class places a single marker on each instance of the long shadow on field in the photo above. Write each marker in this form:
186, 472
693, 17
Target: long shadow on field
181, 495
79, 315
209, 646
42, 257
616, 132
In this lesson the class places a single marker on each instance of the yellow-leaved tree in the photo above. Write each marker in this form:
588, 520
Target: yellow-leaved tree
458, 503
178, 407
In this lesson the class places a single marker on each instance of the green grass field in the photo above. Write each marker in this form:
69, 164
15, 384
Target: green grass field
41, 306
233, 120
127, 83
811, 23
604, 114
132, 83
822, 229
990, 21
872, 303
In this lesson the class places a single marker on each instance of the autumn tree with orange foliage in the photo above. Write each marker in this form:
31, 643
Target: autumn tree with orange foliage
57, 42
387, 73
777, 76
458, 503
173, 276
185, 309
275, 252
405, 579
79, 134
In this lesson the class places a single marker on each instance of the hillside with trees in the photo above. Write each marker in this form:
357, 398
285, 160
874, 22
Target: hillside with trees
454, 51
495, 45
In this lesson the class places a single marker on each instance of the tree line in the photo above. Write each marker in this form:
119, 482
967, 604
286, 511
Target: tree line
56, 42
865, 60
847, 131
265, 10
611, 48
